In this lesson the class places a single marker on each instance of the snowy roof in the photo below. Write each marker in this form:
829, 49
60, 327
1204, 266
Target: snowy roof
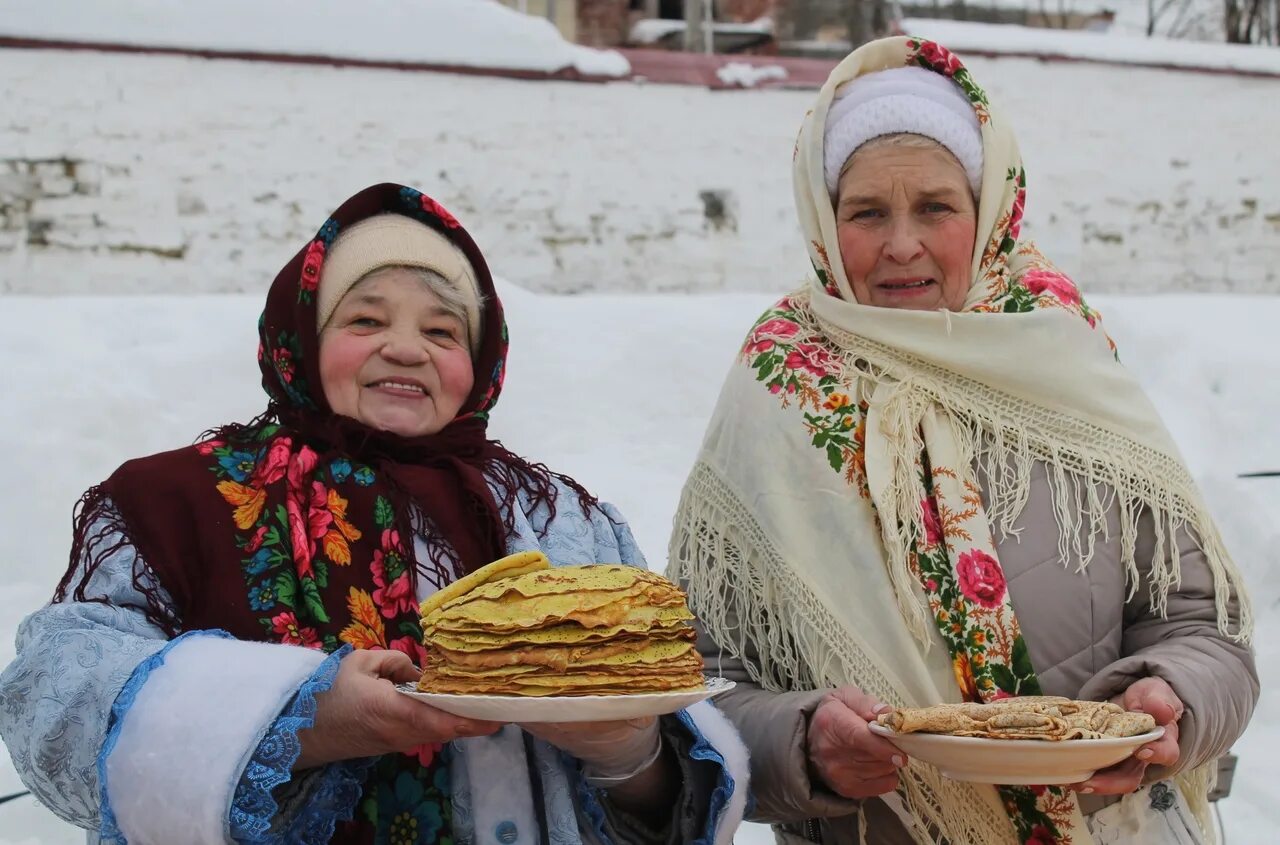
463, 33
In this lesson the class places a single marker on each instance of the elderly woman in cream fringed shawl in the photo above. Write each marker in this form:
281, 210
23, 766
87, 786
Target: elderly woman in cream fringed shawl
928, 479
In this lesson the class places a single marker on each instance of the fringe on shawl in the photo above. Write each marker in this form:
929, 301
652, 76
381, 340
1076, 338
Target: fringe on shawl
1090, 473
99, 532
732, 572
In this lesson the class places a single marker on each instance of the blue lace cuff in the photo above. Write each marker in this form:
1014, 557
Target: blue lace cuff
108, 829
331, 793
590, 798
705, 751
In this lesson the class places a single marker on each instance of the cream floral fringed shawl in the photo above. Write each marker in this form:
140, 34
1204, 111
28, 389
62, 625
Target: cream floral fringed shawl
833, 520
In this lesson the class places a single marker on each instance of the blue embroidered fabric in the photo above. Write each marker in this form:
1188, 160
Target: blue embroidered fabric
331, 794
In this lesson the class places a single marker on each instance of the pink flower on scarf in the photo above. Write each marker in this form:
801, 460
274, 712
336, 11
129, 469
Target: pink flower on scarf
394, 592
292, 633
1055, 284
1041, 835
300, 465
768, 333
425, 753
207, 447
304, 531
932, 524
812, 358
311, 265
431, 206
307, 508
410, 646
939, 58
255, 542
283, 360
981, 579
271, 468
1015, 218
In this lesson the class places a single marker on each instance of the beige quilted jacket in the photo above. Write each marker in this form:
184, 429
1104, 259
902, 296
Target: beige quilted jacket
1085, 641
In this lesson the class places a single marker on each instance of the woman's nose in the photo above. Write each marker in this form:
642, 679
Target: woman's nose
405, 348
904, 244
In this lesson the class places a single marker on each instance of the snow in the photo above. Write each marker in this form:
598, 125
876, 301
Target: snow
91, 381
749, 75
468, 33
1139, 179
653, 30
1012, 40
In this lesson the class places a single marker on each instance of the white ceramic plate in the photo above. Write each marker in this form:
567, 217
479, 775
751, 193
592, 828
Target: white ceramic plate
567, 708
1016, 761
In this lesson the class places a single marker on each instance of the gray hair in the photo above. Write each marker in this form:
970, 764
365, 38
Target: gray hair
904, 140
453, 300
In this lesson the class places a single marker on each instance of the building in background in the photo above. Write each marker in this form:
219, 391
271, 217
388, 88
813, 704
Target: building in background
563, 14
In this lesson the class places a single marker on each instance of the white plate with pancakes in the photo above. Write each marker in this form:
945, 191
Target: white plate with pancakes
1016, 761
567, 708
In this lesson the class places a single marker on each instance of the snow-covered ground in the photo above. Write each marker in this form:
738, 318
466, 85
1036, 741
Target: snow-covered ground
468, 33
167, 174
612, 389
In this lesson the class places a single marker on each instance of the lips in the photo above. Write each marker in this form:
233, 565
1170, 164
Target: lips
905, 285
400, 385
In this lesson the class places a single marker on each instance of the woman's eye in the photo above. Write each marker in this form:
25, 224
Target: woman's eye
366, 322
936, 208
866, 214
445, 332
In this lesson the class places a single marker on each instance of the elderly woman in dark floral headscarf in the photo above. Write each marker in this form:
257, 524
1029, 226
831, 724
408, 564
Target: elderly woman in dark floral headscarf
928, 479
218, 662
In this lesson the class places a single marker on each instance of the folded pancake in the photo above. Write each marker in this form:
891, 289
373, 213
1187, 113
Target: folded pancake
526, 629
1030, 717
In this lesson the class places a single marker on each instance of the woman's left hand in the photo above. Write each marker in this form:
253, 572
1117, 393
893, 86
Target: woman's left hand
607, 749
1147, 695
626, 757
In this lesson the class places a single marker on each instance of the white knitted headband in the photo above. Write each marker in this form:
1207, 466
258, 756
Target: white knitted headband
906, 99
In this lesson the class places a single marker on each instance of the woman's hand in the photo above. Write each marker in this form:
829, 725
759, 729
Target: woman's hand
849, 758
1147, 695
362, 715
627, 757
606, 749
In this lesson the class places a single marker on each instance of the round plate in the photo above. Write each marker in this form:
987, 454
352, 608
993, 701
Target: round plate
566, 708
1016, 761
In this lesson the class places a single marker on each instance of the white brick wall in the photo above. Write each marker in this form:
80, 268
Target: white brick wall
146, 174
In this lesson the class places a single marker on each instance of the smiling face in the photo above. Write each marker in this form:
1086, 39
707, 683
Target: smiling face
906, 223
394, 357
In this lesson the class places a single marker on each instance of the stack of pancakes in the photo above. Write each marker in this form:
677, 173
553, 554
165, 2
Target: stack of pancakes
1028, 717
522, 627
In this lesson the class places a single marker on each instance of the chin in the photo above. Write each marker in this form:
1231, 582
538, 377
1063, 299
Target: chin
402, 428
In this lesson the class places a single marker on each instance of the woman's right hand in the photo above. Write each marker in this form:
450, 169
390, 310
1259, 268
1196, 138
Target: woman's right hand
850, 759
362, 715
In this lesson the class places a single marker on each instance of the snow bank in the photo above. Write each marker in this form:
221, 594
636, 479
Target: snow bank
465, 33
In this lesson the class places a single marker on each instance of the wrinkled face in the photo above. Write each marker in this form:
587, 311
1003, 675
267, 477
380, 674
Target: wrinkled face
906, 223
394, 358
